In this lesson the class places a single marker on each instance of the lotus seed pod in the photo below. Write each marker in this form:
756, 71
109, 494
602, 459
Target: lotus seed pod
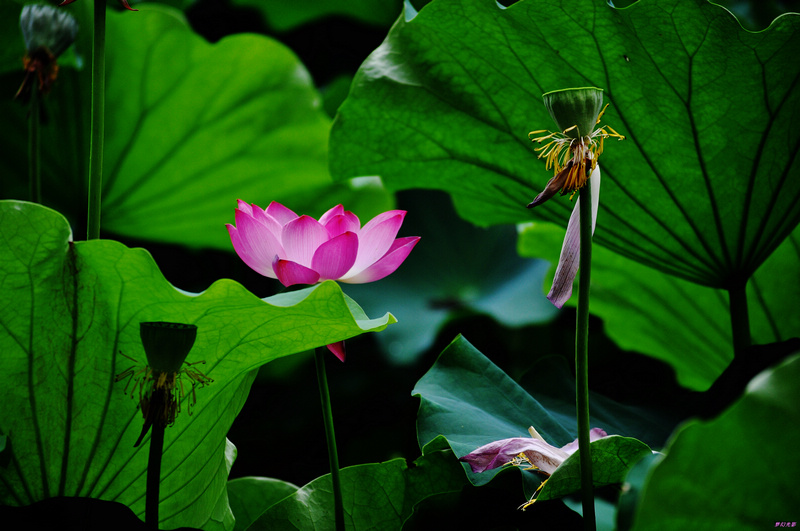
167, 344
575, 110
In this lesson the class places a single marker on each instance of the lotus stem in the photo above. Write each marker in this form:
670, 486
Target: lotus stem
330, 437
97, 119
154, 463
582, 359
34, 168
740, 319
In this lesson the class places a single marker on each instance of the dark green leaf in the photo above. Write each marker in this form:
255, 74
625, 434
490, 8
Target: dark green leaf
612, 457
467, 401
470, 401
251, 496
738, 471
686, 325
376, 496
68, 311
707, 184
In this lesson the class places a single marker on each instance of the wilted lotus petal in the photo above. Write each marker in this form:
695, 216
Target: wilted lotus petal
538, 453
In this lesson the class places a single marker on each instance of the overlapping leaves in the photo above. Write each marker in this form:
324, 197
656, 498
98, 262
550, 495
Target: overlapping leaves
471, 402
68, 311
190, 127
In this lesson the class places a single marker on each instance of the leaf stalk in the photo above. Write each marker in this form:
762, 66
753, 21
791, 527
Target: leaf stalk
330, 437
740, 319
97, 120
34, 143
158, 399
582, 359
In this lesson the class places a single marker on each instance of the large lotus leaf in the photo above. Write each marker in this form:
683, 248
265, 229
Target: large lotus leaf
707, 183
190, 127
376, 495
283, 16
668, 318
471, 402
68, 311
700, 484
445, 276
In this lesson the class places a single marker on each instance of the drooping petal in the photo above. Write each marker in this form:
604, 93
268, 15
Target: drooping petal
376, 238
338, 350
282, 214
291, 273
498, 453
387, 265
595, 184
539, 453
255, 244
569, 261
554, 185
300, 239
336, 256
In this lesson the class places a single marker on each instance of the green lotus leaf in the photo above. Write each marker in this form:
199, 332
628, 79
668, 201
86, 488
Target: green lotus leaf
697, 485
190, 128
705, 186
376, 495
685, 325
69, 321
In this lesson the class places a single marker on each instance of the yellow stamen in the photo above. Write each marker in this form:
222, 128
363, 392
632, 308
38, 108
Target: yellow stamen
533, 498
599, 116
567, 130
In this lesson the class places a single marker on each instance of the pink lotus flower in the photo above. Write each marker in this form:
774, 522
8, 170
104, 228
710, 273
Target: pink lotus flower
278, 243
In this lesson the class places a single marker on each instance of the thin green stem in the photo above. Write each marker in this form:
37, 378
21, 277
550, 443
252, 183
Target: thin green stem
154, 461
330, 437
34, 168
740, 319
582, 358
98, 122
